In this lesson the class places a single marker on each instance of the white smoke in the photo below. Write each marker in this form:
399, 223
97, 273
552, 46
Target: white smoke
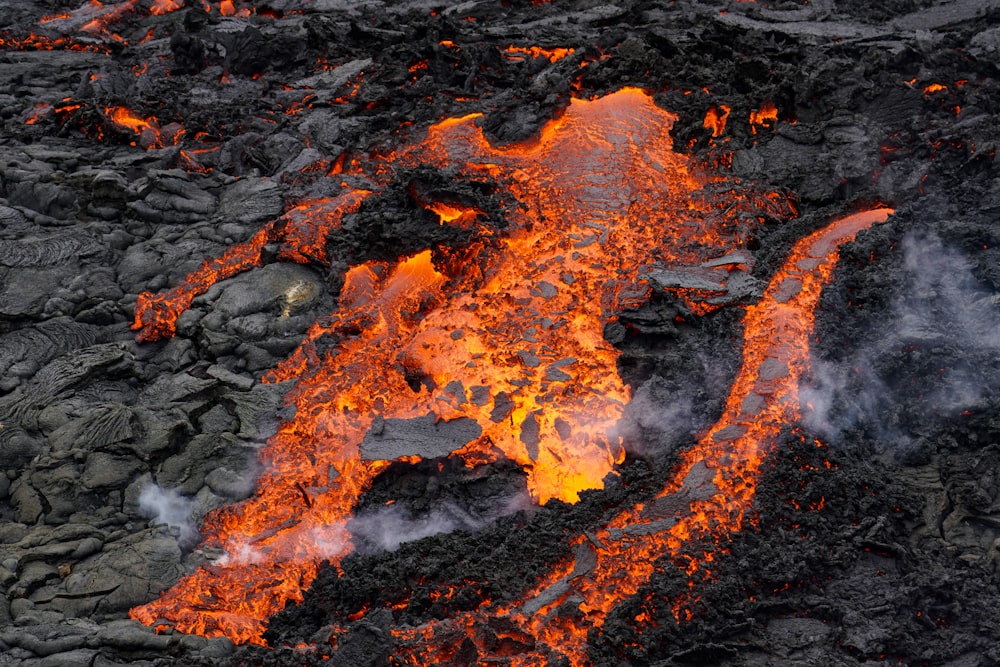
841, 396
388, 527
240, 553
166, 506
659, 418
944, 319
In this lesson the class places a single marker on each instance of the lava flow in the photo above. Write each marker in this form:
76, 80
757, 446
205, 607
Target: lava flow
503, 337
708, 496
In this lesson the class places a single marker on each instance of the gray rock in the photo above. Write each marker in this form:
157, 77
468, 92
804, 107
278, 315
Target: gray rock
425, 436
72, 550
42, 342
35, 573
186, 471
81, 657
45, 252
18, 607
281, 289
162, 428
46, 640
128, 572
49, 199
64, 533
236, 380
176, 388
27, 503
57, 480
257, 410
132, 636
107, 471
251, 200
217, 420
218, 647
24, 292
103, 426
55, 380
367, 642
230, 484
11, 532
173, 197
18, 447
690, 278
191, 643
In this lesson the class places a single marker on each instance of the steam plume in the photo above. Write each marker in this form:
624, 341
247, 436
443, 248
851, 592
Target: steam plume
947, 324
386, 528
166, 506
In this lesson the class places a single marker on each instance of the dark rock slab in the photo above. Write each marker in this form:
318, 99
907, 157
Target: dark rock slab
427, 437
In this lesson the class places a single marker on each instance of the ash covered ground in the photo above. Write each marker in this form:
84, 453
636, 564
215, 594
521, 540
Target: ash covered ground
879, 513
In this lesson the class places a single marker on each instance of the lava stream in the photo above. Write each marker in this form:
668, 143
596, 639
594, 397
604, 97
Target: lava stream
505, 334
710, 491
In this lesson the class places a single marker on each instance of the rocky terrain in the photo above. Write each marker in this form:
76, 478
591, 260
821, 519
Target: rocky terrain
135, 148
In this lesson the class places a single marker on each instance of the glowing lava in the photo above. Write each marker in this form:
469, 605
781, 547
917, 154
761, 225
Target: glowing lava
518, 53
709, 495
91, 27
763, 117
147, 130
507, 333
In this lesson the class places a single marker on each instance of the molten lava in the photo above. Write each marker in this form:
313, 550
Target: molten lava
510, 339
520, 52
715, 119
165, 6
301, 231
709, 494
94, 21
147, 130
763, 117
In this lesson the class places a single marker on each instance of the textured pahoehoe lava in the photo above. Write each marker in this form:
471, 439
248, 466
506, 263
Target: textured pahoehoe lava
511, 339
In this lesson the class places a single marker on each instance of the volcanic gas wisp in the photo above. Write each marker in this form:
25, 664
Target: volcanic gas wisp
510, 341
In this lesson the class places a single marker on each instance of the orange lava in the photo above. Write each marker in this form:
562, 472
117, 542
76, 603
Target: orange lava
94, 20
148, 132
767, 114
519, 52
709, 494
40, 110
127, 119
302, 231
507, 332
165, 6
715, 119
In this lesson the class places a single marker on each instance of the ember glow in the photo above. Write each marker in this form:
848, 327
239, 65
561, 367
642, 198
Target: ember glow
92, 26
165, 6
763, 117
147, 130
510, 340
715, 119
40, 110
521, 52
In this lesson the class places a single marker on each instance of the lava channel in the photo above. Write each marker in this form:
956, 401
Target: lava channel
709, 493
504, 337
